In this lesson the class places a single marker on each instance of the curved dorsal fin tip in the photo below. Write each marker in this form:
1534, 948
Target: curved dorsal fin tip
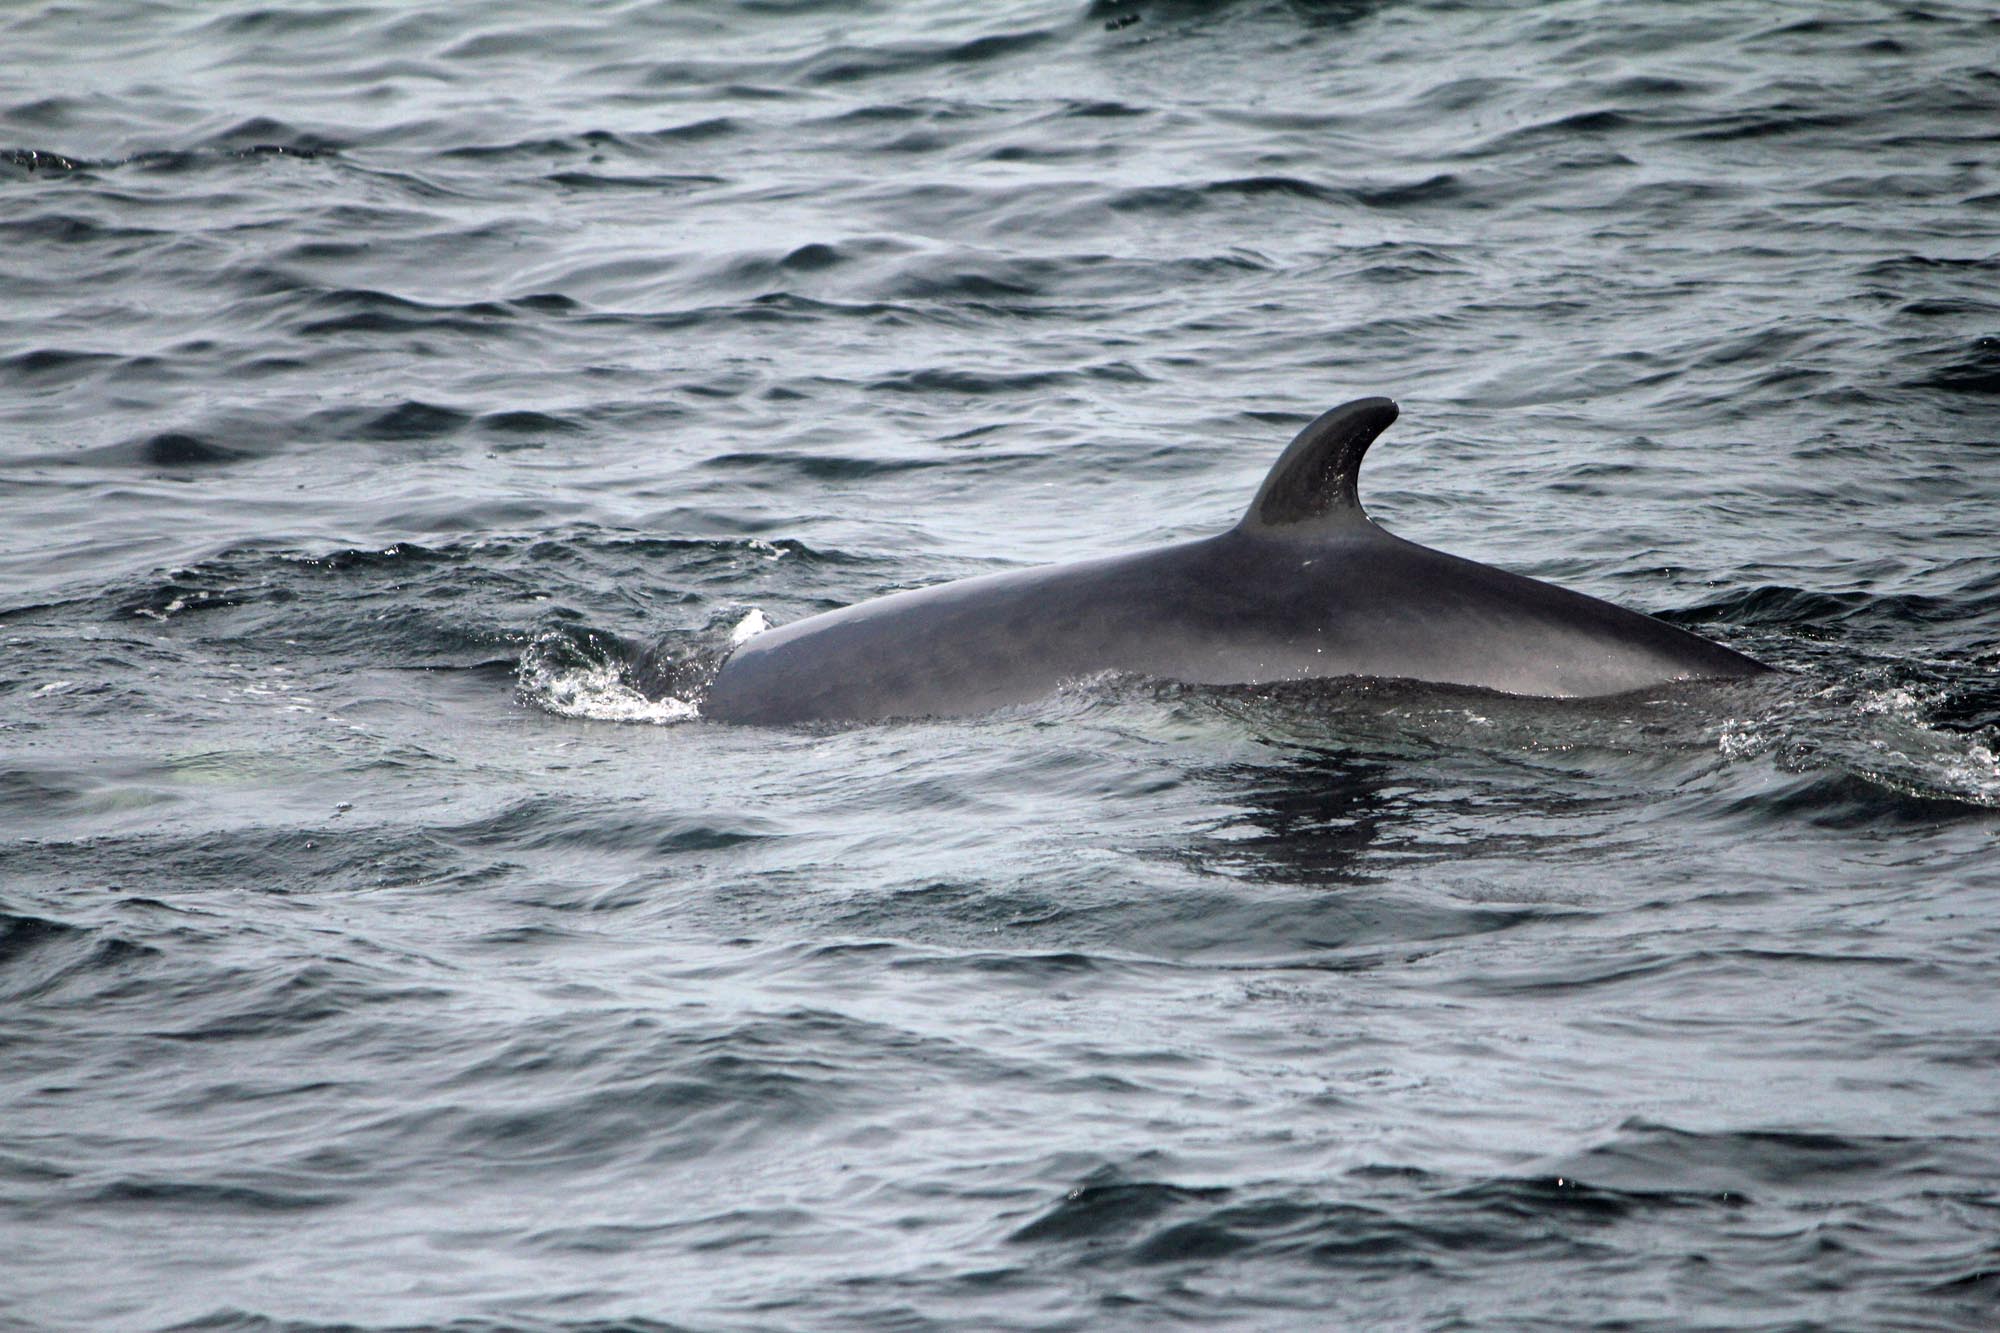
1314, 480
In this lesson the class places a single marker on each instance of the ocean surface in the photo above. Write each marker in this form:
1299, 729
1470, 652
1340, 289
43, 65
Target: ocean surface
400, 402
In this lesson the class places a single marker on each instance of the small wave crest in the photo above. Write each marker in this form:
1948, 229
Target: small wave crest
600, 692
1880, 735
574, 672
588, 674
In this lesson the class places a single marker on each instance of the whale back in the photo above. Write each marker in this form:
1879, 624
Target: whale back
1304, 587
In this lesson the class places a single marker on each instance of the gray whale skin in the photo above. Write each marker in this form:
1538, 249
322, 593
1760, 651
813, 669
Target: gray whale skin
1305, 587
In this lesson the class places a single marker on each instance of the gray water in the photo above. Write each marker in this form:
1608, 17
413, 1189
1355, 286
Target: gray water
393, 398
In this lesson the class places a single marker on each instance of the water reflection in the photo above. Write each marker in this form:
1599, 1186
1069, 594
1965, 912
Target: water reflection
1309, 820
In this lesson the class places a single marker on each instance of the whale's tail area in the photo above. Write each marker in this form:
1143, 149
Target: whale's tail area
1313, 485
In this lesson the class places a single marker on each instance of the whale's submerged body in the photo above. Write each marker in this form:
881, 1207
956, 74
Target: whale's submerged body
1305, 587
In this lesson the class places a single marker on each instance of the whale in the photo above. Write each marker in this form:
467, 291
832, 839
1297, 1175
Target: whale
1305, 586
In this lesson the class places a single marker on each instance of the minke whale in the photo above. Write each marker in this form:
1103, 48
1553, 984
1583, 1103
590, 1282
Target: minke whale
1305, 587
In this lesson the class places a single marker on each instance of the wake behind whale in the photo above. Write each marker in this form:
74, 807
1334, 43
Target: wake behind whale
1305, 587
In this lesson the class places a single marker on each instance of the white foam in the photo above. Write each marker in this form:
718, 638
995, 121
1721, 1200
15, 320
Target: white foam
599, 693
1740, 738
749, 627
1896, 702
1881, 733
1976, 770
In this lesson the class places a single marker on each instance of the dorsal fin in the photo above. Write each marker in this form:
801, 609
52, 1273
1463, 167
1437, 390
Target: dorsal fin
1313, 482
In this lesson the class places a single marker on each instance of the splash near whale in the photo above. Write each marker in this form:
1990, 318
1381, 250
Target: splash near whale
1305, 586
